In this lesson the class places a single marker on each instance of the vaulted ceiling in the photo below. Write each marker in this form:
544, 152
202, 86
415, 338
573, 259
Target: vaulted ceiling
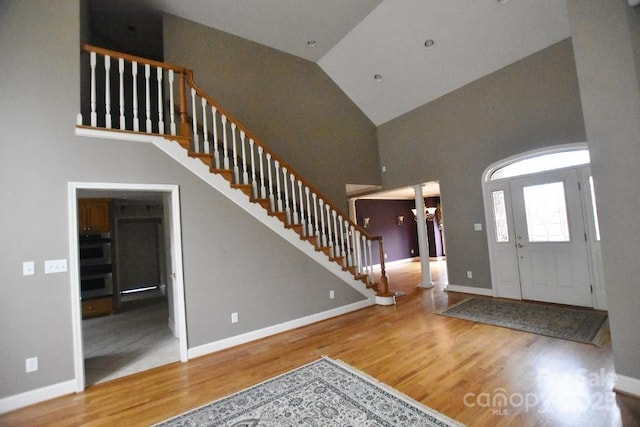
388, 56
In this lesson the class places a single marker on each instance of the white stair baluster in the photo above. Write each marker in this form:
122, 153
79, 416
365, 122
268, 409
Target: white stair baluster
205, 128
295, 219
287, 209
314, 196
147, 103
234, 153
272, 206
349, 257
334, 247
301, 203
309, 231
94, 115
329, 232
278, 189
225, 142
194, 122
134, 75
263, 189
323, 230
341, 228
254, 184
107, 91
216, 150
160, 99
172, 106
243, 142
123, 125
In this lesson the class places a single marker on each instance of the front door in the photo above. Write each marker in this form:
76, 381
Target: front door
550, 238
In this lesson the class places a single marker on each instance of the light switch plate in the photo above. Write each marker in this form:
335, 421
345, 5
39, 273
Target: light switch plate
28, 268
477, 227
55, 266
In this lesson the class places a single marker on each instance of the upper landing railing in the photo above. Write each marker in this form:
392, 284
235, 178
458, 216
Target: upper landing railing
133, 94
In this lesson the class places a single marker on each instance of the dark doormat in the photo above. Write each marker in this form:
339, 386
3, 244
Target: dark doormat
575, 324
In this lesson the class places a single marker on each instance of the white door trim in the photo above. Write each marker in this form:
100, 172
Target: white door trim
178, 284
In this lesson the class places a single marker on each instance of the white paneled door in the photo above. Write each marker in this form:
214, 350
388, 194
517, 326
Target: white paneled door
550, 238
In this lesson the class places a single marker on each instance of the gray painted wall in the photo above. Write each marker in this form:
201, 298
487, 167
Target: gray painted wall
530, 104
225, 264
287, 102
605, 36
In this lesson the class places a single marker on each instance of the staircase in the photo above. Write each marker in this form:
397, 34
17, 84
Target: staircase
133, 97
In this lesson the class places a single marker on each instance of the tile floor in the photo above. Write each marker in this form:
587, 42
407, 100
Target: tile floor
135, 339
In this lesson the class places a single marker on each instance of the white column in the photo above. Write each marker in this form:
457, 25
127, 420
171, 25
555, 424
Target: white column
423, 241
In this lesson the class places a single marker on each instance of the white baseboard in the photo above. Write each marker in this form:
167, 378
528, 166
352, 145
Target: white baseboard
275, 329
31, 397
470, 290
627, 385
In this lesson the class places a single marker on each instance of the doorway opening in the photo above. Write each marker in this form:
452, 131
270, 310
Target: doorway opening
542, 228
397, 215
137, 319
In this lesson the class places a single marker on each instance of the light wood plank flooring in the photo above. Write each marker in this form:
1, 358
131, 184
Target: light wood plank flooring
454, 366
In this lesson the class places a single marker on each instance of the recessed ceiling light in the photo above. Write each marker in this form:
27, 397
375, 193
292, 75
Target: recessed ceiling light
311, 43
429, 43
502, 1
378, 77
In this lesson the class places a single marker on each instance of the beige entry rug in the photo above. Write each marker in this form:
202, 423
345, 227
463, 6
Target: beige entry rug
574, 324
323, 393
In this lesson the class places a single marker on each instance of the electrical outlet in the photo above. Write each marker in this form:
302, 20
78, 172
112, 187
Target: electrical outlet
469, 274
234, 317
31, 364
332, 294
413, 252
28, 268
55, 266
477, 227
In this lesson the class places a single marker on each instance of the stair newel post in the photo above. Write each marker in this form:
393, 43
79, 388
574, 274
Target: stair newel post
225, 143
123, 125
182, 90
322, 240
107, 91
294, 219
263, 189
329, 232
194, 122
278, 189
272, 206
370, 263
383, 290
147, 97
254, 184
314, 196
357, 250
134, 77
160, 98
94, 115
243, 143
214, 125
287, 209
172, 108
309, 230
205, 127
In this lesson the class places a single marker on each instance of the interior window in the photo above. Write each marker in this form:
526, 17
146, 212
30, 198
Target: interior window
595, 209
545, 162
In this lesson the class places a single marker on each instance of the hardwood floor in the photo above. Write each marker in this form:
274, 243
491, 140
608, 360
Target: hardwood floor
456, 367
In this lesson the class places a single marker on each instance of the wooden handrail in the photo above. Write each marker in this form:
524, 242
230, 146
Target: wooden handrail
128, 57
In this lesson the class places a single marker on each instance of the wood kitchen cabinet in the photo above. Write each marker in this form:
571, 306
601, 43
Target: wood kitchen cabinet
94, 215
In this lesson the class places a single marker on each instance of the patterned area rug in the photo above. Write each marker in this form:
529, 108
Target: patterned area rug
322, 393
582, 325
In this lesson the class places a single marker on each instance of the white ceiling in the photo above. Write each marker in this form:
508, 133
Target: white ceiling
357, 39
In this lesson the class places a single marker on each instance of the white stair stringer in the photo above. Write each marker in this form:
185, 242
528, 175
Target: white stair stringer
196, 166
